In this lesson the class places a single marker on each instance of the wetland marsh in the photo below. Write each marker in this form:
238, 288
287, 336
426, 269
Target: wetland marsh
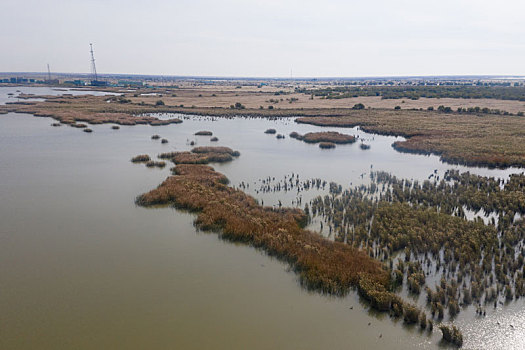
84, 267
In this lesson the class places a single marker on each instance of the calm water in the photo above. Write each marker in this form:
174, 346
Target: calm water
42, 90
82, 267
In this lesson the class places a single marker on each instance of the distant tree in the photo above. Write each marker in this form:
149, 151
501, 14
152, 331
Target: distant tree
359, 106
159, 103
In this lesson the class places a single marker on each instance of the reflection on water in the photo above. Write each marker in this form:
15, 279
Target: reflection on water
82, 267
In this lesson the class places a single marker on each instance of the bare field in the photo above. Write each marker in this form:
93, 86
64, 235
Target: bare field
252, 97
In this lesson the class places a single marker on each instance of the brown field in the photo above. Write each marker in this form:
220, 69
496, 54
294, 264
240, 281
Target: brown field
254, 98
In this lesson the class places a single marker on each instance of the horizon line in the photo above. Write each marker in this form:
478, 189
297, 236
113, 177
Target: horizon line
225, 77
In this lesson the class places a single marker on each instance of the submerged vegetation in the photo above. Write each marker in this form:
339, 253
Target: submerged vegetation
420, 230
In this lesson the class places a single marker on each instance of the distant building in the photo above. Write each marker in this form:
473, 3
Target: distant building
18, 80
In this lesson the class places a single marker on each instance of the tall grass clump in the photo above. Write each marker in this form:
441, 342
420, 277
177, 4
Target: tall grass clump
324, 136
452, 334
154, 164
326, 145
203, 133
141, 158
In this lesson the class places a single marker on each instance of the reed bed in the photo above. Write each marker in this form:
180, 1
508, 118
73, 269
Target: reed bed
270, 131
90, 109
79, 125
476, 262
330, 267
324, 136
167, 155
141, 158
465, 138
452, 334
215, 149
200, 158
155, 164
468, 139
201, 155
295, 135
115, 127
56, 124
203, 133
88, 130
326, 145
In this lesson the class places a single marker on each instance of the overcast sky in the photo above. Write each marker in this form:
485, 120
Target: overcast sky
267, 38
